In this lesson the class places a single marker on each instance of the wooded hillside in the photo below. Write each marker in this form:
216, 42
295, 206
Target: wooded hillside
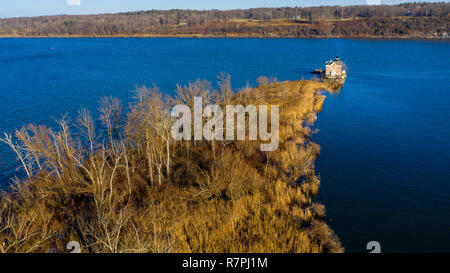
412, 20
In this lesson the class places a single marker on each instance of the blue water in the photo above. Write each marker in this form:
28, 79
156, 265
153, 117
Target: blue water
384, 165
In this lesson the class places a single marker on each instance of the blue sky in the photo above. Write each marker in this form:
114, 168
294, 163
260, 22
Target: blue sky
14, 8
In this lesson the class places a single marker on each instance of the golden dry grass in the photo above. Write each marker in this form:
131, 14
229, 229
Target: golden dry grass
145, 194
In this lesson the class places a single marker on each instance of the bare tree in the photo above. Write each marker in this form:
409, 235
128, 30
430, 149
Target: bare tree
111, 111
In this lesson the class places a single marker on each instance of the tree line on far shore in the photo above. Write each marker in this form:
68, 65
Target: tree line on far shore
410, 19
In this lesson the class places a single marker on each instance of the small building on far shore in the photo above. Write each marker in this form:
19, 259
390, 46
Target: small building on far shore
335, 69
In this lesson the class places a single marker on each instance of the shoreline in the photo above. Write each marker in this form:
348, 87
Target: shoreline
230, 36
425, 21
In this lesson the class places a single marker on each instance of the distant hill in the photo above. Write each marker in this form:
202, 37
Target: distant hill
411, 20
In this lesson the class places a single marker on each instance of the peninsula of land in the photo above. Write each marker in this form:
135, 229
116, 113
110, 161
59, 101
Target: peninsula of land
128, 187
